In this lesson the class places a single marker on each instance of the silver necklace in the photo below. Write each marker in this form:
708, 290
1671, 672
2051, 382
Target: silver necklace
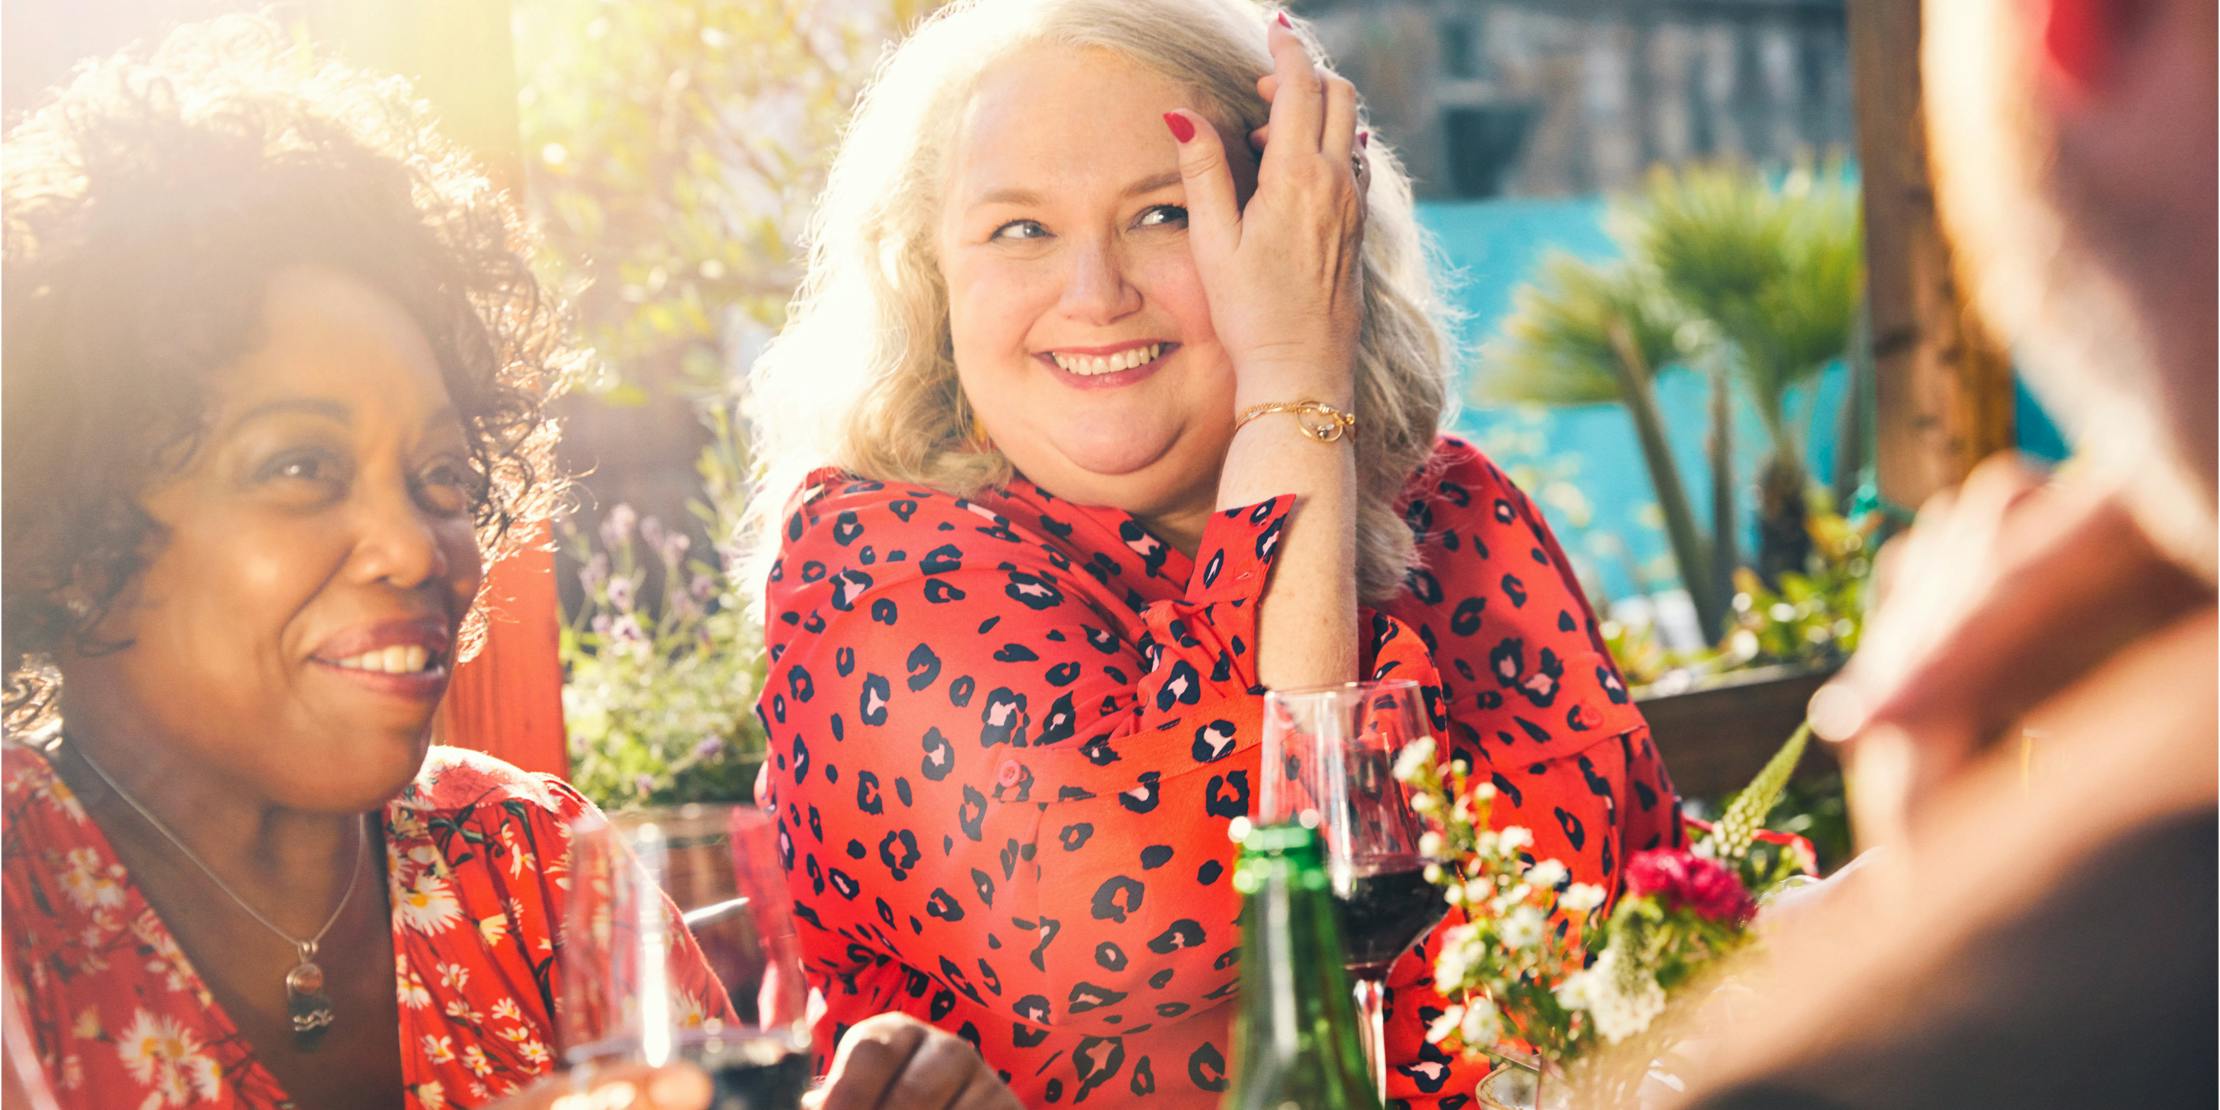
305, 999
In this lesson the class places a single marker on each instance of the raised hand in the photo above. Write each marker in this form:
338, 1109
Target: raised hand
1283, 273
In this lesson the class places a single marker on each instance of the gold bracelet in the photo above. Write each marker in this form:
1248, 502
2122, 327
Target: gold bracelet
1317, 419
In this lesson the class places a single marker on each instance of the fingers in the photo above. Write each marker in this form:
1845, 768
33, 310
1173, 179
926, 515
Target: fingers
1298, 112
870, 1060
938, 1073
1995, 602
894, 1060
1213, 212
1339, 138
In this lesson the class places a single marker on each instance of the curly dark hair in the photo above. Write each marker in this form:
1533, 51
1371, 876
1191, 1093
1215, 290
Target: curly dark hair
147, 207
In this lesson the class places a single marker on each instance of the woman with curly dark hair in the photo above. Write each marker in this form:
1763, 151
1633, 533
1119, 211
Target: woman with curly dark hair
275, 376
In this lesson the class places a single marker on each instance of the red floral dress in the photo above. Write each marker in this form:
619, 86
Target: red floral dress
477, 856
1007, 734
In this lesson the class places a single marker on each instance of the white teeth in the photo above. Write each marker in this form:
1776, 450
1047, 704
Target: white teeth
1088, 366
398, 659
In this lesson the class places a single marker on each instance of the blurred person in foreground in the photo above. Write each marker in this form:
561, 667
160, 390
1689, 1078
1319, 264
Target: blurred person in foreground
1114, 396
275, 373
2040, 932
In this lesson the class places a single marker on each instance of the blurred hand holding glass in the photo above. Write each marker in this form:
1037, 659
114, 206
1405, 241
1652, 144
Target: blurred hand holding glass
1329, 757
679, 943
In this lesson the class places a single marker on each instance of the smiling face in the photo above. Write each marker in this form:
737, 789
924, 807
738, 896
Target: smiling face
294, 628
1081, 333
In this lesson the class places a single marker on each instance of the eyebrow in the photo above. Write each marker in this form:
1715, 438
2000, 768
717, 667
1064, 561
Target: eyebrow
1019, 196
329, 410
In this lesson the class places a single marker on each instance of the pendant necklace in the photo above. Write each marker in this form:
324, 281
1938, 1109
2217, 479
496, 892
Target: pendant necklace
305, 999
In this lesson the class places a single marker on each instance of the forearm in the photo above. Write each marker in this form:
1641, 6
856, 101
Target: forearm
1307, 619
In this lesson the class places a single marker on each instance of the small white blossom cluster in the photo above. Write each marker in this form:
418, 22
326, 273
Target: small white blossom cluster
1618, 994
1506, 905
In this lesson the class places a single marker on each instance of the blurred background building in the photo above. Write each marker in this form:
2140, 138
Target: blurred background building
1559, 97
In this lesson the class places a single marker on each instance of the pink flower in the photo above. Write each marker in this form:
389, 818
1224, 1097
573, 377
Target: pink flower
1677, 877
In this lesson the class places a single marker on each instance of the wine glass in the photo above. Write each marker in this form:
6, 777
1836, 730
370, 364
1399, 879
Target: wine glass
679, 943
1329, 756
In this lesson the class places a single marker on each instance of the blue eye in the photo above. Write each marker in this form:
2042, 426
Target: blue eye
1020, 229
1162, 215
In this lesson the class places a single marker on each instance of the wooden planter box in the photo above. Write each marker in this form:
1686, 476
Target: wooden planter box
1715, 738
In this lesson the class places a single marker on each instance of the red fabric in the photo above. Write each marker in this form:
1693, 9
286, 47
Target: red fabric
477, 854
508, 700
1007, 734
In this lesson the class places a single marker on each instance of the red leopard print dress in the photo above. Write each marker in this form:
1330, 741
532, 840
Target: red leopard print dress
1007, 734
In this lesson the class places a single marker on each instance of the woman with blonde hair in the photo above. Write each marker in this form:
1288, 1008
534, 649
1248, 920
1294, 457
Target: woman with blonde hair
1090, 423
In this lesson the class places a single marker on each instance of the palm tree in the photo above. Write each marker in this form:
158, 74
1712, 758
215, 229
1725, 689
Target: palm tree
1776, 274
1584, 333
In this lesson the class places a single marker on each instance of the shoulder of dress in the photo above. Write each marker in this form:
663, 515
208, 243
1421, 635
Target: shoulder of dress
460, 778
1455, 472
848, 512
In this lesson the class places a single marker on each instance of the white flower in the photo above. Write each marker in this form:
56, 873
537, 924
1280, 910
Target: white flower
1482, 1025
1432, 845
432, 1095
1459, 952
427, 905
413, 994
165, 1056
1446, 1024
492, 928
1523, 927
453, 977
1478, 890
1573, 993
440, 1050
474, 1058
506, 1009
1515, 837
1414, 759
1424, 803
1622, 1000
1547, 873
1484, 792
91, 885
1580, 898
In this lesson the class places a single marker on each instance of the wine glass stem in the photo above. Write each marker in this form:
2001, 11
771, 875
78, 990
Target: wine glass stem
1371, 1010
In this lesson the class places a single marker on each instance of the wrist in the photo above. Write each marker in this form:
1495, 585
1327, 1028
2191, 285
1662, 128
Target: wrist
1340, 395
1262, 381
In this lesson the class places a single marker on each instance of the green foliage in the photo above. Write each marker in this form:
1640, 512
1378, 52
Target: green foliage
673, 152
1724, 270
1773, 275
1573, 327
660, 704
1813, 617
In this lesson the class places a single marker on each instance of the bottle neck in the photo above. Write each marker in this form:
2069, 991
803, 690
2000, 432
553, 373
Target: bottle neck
1297, 1042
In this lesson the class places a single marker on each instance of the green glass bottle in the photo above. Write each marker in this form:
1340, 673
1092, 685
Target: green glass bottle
1295, 1045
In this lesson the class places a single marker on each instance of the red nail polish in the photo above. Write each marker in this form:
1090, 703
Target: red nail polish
1285, 22
1182, 128
1364, 139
